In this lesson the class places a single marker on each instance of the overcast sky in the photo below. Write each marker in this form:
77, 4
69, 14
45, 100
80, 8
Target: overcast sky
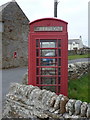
75, 12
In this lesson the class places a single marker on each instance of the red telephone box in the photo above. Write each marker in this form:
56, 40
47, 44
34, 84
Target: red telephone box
48, 55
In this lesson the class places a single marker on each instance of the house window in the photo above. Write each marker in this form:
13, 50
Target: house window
73, 43
1, 27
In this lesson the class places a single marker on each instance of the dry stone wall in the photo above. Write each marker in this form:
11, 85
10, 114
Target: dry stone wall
78, 69
27, 101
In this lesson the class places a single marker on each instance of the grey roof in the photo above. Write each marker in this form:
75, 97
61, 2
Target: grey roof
77, 41
86, 46
3, 6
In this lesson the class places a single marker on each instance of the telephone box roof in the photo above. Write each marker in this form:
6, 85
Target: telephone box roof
47, 19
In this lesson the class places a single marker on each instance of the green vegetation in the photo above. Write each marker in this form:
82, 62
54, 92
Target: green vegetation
71, 57
79, 89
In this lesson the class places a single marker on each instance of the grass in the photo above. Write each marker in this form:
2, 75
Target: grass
79, 89
71, 57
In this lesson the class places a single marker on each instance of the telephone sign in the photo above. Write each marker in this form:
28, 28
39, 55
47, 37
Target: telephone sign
48, 55
52, 28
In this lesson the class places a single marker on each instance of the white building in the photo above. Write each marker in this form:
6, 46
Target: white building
75, 44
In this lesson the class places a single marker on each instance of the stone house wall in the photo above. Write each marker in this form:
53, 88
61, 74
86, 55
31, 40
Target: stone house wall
14, 36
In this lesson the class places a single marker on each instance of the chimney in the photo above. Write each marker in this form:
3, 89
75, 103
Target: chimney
55, 7
13, 1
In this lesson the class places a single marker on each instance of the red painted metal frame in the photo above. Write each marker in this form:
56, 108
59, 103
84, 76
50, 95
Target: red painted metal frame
63, 36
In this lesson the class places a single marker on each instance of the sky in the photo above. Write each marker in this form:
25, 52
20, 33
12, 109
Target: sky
75, 12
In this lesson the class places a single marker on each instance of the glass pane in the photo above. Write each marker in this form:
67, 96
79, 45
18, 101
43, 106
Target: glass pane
59, 52
37, 43
47, 53
59, 89
51, 88
59, 43
59, 62
48, 71
37, 62
37, 52
59, 71
59, 79
48, 80
37, 80
37, 71
47, 43
48, 62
